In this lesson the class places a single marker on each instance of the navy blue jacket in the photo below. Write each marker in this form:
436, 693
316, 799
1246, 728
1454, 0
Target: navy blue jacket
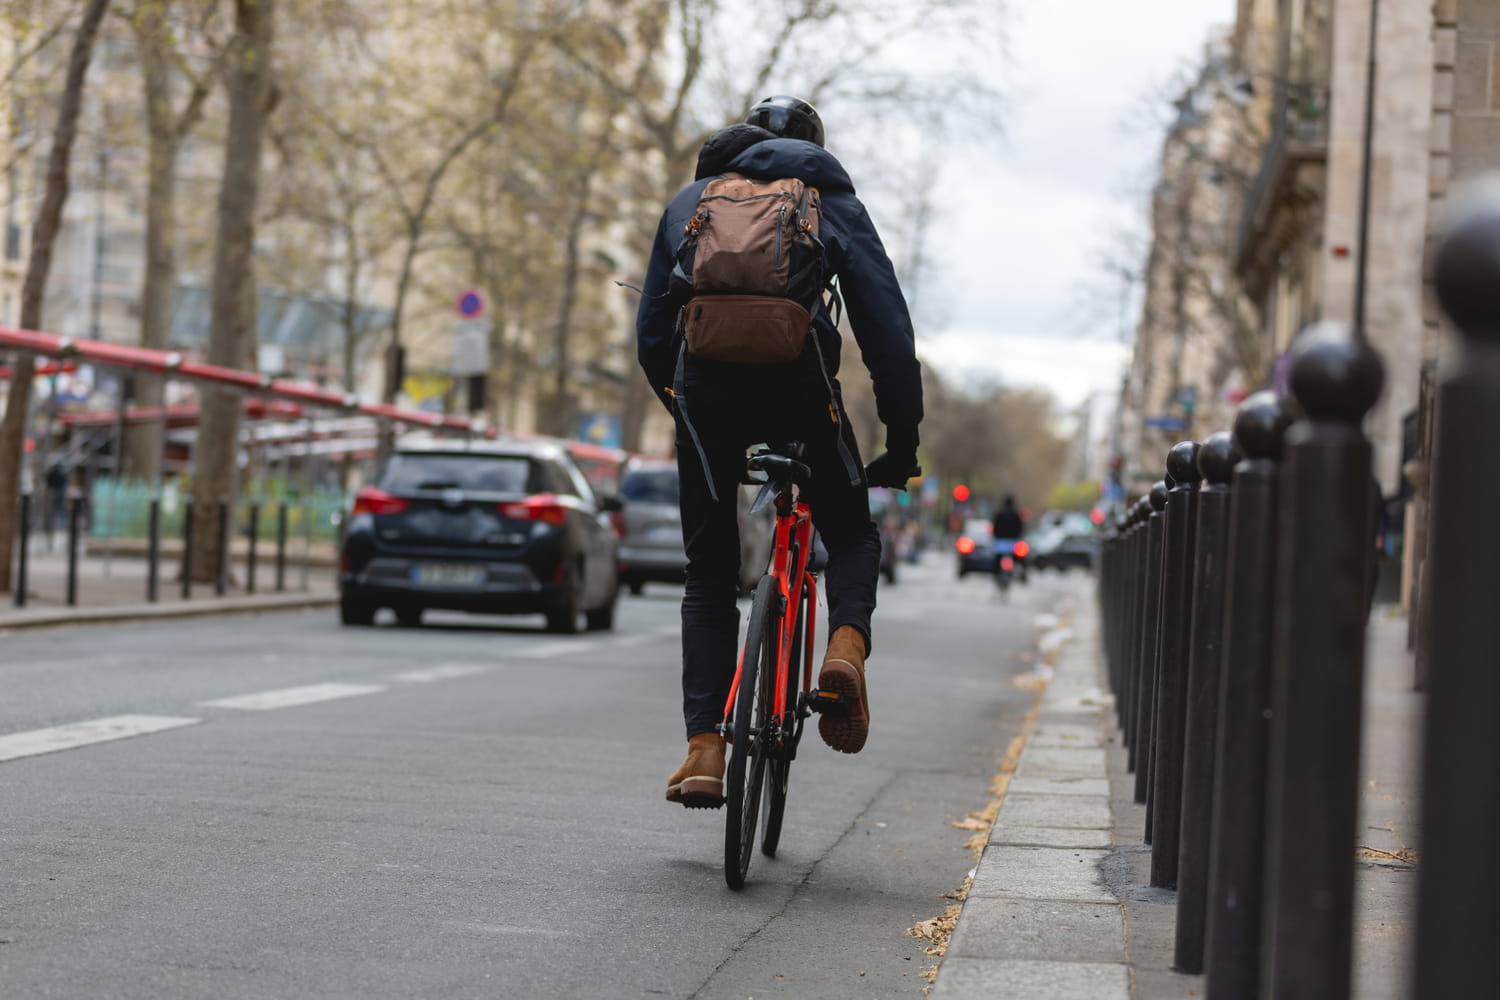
867, 281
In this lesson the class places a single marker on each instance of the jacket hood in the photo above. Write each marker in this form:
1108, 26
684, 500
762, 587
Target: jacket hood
724, 145
797, 158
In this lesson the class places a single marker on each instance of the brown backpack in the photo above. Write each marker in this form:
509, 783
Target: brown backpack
756, 265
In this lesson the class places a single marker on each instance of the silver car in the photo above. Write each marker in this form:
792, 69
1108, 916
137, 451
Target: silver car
651, 529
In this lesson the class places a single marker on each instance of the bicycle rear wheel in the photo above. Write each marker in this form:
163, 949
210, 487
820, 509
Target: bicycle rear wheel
779, 769
747, 757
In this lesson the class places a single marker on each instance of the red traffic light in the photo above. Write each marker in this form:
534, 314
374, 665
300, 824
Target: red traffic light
960, 493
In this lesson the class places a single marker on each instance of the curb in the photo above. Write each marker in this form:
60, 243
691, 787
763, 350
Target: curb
1039, 921
25, 620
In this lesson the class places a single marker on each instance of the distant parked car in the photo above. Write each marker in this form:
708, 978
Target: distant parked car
507, 527
1064, 542
976, 548
651, 529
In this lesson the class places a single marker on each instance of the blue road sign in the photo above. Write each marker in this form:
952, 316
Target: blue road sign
470, 304
1168, 423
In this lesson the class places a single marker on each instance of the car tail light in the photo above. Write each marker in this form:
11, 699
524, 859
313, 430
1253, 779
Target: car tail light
618, 520
542, 507
1022, 550
1007, 563
965, 545
372, 501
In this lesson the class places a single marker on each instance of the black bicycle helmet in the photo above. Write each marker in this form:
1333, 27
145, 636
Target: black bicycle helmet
788, 117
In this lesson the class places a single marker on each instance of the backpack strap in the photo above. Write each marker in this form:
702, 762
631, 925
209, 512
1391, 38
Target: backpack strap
836, 413
679, 393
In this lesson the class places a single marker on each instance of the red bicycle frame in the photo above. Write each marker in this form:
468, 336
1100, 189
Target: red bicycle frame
793, 524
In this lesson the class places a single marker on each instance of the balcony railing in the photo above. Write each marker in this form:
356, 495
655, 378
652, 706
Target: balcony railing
1299, 131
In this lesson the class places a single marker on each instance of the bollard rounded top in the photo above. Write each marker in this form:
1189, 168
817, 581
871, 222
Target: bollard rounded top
1182, 465
1336, 376
1216, 458
1157, 498
1260, 424
1142, 510
1466, 265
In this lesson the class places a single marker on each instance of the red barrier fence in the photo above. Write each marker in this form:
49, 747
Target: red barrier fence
173, 365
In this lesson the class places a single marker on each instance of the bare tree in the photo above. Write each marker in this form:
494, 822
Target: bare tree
232, 312
167, 128
43, 237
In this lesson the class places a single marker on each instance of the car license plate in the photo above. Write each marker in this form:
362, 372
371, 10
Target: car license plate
665, 533
448, 575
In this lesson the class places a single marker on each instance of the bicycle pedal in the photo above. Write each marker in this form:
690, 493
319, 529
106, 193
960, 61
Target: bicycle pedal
831, 702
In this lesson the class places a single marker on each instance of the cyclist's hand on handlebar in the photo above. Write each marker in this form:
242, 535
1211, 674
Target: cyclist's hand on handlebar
892, 469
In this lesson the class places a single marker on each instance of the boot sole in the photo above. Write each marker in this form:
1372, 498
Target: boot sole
844, 733
697, 793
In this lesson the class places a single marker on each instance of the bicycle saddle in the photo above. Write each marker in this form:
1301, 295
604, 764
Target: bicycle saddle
782, 471
780, 468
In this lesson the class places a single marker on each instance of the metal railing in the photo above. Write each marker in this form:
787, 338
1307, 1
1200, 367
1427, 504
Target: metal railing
1235, 599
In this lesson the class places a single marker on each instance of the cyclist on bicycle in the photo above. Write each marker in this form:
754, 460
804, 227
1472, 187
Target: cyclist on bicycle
732, 406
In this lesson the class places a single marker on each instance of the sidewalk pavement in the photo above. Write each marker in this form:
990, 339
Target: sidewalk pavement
113, 589
1061, 908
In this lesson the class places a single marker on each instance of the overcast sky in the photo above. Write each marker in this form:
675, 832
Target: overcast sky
1036, 212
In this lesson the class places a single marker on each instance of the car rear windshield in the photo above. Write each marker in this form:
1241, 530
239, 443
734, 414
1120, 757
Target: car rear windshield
650, 486
410, 471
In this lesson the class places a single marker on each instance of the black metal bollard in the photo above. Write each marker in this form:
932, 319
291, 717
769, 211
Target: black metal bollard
1134, 586
221, 559
1172, 661
1216, 464
1457, 922
75, 517
153, 550
187, 551
1167, 483
1318, 647
1236, 857
280, 547
1116, 602
1150, 629
252, 533
23, 557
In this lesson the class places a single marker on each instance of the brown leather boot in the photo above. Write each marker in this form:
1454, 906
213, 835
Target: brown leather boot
699, 782
844, 672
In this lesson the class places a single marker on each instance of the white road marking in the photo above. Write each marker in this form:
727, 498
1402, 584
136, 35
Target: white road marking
79, 734
442, 672
639, 639
287, 697
557, 649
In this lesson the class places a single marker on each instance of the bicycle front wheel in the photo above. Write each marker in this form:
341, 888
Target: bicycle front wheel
745, 779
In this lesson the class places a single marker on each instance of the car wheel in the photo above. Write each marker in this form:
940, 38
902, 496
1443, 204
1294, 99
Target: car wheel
409, 617
602, 619
354, 611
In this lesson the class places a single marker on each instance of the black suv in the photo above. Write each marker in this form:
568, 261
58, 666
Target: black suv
510, 527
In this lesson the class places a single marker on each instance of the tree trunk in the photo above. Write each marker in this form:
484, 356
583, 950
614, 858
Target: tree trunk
145, 440
43, 236
232, 315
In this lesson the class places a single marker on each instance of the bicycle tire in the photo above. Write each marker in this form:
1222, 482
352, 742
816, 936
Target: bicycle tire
745, 777
779, 770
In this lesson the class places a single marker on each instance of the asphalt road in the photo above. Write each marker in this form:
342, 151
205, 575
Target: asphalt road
474, 809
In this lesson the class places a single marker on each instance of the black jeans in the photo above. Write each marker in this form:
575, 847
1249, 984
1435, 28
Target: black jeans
732, 407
